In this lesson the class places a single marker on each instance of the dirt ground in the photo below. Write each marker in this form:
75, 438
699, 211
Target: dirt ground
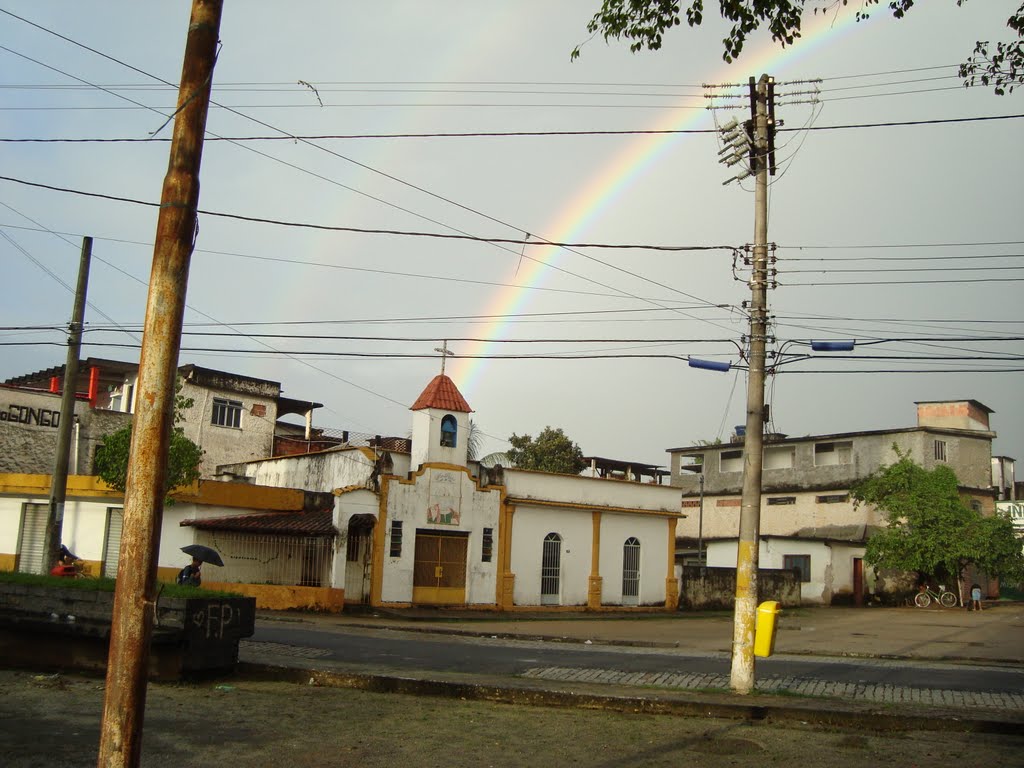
53, 720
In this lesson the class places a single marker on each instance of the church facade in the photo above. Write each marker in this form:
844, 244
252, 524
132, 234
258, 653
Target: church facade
432, 528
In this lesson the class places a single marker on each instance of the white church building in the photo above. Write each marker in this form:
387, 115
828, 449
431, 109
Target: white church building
432, 528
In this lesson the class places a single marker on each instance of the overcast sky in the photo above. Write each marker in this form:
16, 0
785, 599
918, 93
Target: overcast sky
910, 236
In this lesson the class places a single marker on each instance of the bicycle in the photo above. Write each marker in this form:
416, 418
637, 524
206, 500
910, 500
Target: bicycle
944, 597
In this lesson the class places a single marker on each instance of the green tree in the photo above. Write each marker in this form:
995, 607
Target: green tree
552, 451
645, 23
183, 457
474, 440
930, 529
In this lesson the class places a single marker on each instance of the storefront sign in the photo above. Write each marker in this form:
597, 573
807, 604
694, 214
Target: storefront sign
1013, 510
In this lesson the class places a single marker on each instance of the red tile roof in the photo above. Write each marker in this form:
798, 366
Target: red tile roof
319, 523
441, 393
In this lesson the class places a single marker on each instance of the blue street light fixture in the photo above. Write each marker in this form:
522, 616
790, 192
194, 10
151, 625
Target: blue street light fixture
708, 365
833, 346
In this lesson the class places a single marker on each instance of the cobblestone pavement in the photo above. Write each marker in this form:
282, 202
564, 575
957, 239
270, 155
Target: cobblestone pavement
862, 692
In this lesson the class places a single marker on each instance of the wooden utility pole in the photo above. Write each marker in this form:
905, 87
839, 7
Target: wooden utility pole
131, 630
59, 481
742, 673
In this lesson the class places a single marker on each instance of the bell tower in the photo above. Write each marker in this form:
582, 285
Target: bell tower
440, 424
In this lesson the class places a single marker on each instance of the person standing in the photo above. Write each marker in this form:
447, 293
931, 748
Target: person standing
975, 597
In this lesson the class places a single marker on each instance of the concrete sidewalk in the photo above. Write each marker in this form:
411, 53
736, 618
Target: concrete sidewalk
932, 638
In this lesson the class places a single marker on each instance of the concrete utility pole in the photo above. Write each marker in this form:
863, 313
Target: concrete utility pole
742, 674
59, 481
131, 630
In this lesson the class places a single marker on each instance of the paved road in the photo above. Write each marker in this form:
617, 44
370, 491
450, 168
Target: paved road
875, 678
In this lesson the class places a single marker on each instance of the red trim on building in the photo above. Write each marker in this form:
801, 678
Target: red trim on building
94, 385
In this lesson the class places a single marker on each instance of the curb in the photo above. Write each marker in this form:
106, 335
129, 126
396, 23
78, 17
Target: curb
707, 705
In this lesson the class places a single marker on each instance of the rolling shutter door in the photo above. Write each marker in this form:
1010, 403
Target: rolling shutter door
112, 544
32, 537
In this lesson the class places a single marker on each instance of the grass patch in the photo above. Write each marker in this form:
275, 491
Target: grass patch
62, 582
103, 585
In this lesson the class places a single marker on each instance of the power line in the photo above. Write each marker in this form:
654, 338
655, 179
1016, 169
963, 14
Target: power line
373, 170
368, 105
904, 123
894, 246
896, 93
496, 134
845, 259
466, 339
536, 83
890, 270
204, 314
396, 232
894, 319
891, 72
876, 371
53, 274
382, 355
889, 83
907, 282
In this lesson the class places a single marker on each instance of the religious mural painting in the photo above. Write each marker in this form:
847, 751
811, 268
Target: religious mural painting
445, 500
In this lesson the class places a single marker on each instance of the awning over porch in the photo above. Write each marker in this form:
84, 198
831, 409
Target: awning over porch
318, 523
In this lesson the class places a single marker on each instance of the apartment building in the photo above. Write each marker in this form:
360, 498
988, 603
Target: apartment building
808, 519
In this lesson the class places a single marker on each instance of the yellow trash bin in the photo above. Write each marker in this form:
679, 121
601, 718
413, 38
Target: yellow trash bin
764, 630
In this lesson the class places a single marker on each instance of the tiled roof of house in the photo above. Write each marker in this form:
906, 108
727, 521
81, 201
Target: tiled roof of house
318, 523
441, 393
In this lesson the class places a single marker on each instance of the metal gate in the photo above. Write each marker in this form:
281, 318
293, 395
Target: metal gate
112, 541
631, 571
358, 562
439, 575
32, 537
551, 570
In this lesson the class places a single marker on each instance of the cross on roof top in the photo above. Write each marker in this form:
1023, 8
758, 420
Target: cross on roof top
445, 353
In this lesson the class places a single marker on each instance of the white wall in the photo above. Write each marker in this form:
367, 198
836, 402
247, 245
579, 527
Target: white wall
10, 523
777, 519
426, 438
818, 589
83, 529
357, 502
411, 503
85, 522
652, 533
254, 439
324, 471
831, 565
529, 527
602, 492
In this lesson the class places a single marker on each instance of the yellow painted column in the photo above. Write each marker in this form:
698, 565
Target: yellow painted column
671, 583
379, 540
506, 579
596, 582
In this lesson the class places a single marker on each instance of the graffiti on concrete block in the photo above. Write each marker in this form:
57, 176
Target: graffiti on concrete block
214, 620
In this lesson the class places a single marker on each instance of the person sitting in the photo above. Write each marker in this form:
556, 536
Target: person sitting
66, 564
190, 575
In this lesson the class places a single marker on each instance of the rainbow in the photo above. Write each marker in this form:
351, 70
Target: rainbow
615, 179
